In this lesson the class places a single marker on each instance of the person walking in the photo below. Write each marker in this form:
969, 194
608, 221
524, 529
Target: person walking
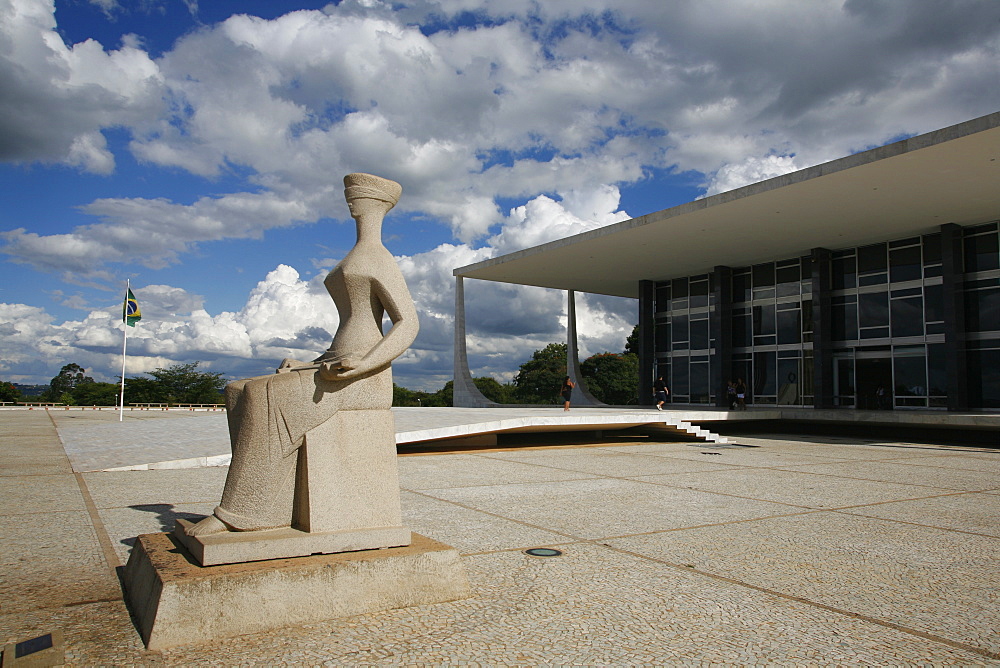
731, 394
567, 392
660, 392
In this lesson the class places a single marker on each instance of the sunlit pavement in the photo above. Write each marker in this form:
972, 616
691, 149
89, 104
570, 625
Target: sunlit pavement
785, 550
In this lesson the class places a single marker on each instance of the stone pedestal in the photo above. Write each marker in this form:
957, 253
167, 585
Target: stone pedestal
175, 601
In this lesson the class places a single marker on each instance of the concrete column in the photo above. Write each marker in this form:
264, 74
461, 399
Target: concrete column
465, 393
953, 287
581, 396
822, 322
647, 361
721, 325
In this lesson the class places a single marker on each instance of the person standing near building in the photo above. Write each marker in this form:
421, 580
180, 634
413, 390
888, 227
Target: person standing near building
741, 395
567, 392
660, 392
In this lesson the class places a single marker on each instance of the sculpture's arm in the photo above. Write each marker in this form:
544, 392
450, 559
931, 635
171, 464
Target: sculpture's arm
395, 298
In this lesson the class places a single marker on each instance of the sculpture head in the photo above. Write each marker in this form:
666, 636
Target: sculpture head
369, 193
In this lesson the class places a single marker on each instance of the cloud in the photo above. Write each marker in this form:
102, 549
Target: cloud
288, 315
551, 108
58, 98
552, 98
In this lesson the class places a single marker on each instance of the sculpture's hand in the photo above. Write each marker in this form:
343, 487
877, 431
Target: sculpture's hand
288, 364
343, 369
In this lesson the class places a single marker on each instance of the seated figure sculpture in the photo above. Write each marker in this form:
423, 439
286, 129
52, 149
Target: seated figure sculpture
269, 416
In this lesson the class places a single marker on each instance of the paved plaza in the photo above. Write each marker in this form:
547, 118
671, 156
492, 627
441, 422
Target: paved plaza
784, 550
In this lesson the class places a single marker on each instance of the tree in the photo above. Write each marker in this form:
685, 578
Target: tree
540, 378
632, 342
95, 394
8, 392
69, 377
501, 393
612, 378
177, 384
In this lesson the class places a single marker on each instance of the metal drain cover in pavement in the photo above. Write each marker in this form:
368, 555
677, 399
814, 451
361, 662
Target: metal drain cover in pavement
543, 552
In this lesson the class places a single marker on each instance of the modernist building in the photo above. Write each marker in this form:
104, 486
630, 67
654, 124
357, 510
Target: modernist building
877, 270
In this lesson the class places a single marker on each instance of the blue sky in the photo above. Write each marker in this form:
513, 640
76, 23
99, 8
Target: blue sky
197, 149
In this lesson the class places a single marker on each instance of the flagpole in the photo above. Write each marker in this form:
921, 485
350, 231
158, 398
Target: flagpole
121, 401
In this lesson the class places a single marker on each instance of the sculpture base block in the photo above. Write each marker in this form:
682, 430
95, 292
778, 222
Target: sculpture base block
234, 547
176, 602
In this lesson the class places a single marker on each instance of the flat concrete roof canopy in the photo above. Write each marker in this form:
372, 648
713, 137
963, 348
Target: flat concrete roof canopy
903, 189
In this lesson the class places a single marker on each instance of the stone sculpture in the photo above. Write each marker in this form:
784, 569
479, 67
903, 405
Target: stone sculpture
313, 444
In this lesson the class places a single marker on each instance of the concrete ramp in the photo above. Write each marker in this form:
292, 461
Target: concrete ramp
482, 425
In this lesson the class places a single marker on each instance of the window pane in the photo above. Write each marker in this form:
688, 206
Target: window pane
763, 275
983, 310
788, 280
679, 328
873, 309
937, 377
663, 298
699, 382
679, 286
932, 249
985, 377
907, 317
844, 273
741, 288
934, 303
910, 376
699, 334
682, 384
845, 322
904, 264
764, 371
788, 382
982, 252
662, 337
871, 259
699, 293
789, 326
763, 320
741, 331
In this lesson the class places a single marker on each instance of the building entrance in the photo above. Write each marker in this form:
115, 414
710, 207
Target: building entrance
873, 374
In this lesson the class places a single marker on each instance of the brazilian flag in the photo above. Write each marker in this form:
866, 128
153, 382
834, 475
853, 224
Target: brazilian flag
130, 311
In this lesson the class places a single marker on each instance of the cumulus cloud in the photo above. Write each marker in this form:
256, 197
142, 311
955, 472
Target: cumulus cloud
555, 105
288, 315
541, 98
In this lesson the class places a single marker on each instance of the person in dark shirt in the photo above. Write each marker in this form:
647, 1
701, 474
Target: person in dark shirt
660, 390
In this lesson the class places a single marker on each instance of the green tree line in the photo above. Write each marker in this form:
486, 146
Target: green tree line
177, 384
611, 377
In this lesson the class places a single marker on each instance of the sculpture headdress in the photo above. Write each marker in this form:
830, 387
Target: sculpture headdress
359, 185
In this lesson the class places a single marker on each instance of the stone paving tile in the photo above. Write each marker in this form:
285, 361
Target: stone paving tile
432, 472
96, 634
571, 610
52, 560
117, 489
39, 493
124, 524
806, 490
740, 456
935, 581
608, 462
907, 471
849, 450
608, 507
95, 441
29, 465
972, 461
470, 530
977, 513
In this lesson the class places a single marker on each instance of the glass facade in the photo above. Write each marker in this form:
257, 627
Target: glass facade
885, 326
